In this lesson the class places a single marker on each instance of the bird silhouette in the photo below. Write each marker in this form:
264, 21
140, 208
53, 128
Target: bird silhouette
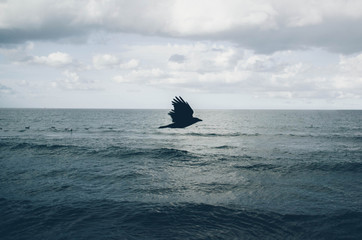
181, 114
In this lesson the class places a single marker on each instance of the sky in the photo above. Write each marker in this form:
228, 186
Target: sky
216, 54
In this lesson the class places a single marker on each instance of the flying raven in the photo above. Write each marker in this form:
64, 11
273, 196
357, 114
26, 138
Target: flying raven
181, 114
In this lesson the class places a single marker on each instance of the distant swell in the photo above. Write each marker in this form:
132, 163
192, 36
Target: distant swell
355, 167
112, 151
136, 220
41, 148
237, 134
162, 153
225, 147
258, 167
212, 134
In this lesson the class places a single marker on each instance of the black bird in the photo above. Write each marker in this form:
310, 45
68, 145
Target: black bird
181, 114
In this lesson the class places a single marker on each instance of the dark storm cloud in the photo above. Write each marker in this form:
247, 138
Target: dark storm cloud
264, 26
335, 36
58, 20
11, 36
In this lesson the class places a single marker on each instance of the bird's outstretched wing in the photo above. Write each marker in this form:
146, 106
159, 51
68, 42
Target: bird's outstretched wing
181, 110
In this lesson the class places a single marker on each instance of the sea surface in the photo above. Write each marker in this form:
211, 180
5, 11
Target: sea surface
238, 174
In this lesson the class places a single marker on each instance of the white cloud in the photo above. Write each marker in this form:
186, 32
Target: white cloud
209, 17
202, 57
151, 76
22, 54
351, 64
105, 61
310, 12
133, 63
57, 59
348, 80
147, 74
227, 69
120, 79
258, 63
72, 81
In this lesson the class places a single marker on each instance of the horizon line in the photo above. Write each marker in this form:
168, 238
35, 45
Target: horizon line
271, 109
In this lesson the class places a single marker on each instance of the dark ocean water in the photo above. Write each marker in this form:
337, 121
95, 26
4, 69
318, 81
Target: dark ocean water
236, 175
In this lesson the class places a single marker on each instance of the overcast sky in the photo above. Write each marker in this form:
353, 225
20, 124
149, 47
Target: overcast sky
236, 54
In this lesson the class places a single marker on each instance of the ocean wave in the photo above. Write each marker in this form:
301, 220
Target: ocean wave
212, 134
239, 158
117, 151
104, 219
172, 153
48, 148
354, 167
42, 148
298, 164
225, 147
258, 167
344, 136
351, 167
153, 153
236, 134
21, 146
113, 151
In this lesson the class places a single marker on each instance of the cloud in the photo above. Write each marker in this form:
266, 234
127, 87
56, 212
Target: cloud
133, 63
120, 79
202, 57
146, 75
17, 53
192, 18
177, 58
105, 61
265, 49
214, 68
57, 59
72, 81
6, 90
348, 79
265, 26
21, 54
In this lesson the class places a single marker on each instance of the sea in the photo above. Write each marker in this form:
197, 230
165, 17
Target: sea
238, 174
